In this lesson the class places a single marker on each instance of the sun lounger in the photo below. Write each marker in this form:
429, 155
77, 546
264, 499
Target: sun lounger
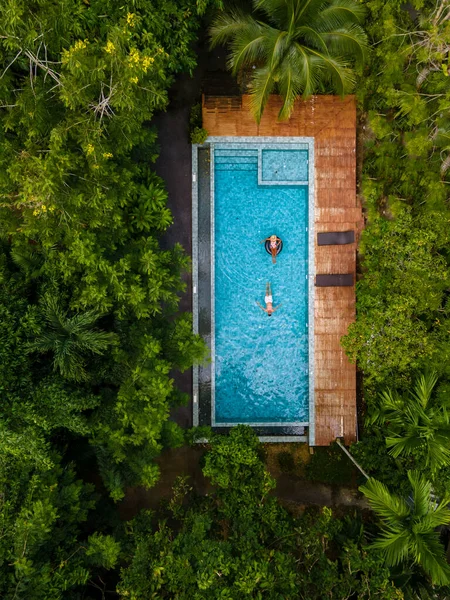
334, 238
345, 279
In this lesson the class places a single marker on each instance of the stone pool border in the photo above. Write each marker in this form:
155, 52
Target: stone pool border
261, 142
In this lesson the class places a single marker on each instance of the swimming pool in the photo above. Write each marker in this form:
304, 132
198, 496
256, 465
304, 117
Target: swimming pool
261, 367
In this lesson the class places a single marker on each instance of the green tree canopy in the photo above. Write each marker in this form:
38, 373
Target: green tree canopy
239, 542
44, 552
409, 525
81, 214
417, 423
402, 300
295, 47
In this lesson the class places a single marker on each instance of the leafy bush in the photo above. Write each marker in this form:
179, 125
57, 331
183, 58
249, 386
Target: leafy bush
402, 299
239, 542
44, 550
198, 135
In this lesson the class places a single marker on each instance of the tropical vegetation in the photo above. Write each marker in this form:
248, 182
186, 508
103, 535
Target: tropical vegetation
239, 542
90, 328
417, 423
294, 48
409, 525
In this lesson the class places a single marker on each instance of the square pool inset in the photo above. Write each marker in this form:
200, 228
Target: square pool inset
284, 166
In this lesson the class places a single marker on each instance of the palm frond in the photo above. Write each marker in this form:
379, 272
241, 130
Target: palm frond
429, 553
338, 72
349, 41
402, 445
279, 49
306, 11
394, 545
389, 507
421, 490
290, 86
277, 11
339, 13
423, 388
309, 68
438, 452
226, 26
312, 37
261, 86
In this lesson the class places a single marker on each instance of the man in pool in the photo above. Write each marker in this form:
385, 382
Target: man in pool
274, 246
269, 302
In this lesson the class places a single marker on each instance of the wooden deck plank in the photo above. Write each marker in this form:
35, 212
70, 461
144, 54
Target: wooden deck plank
331, 120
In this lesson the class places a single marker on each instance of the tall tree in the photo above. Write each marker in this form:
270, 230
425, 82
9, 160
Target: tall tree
46, 551
408, 526
295, 47
82, 212
416, 423
70, 339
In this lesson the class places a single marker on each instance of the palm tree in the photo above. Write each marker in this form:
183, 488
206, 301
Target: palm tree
409, 526
70, 339
416, 423
295, 47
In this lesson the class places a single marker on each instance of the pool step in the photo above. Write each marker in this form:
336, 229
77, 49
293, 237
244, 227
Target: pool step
234, 152
236, 167
235, 160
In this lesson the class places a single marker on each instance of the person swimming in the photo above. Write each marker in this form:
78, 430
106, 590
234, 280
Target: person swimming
275, 245
268, 299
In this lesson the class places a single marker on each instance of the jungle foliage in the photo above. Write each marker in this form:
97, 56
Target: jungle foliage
239, 542
403, 304
293, 48
90, 330
401, 339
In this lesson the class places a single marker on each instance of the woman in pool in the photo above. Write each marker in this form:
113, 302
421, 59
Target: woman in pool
269, 302
274, 246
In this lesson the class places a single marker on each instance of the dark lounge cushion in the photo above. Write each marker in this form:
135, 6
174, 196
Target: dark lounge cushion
334, 280
331, 238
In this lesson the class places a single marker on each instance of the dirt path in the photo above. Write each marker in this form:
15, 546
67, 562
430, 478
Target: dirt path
300, 491
186, 462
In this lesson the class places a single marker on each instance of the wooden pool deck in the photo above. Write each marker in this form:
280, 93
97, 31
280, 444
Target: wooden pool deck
332, 123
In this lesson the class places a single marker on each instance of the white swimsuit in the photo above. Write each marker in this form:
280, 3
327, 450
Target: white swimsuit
268, 299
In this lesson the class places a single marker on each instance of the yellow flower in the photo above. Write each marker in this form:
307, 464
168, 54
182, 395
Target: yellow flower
89, 149
130, 19
95, 167
44, 208
107, 155
134, 56
109, 48
36, 212
134, 79
146, 62
79, 45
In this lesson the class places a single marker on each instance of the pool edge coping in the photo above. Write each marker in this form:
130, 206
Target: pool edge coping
309, 141
195, 368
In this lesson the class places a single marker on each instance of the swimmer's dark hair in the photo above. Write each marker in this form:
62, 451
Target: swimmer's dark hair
270, 314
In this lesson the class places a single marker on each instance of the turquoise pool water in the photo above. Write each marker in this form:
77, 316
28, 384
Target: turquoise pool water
261, 362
